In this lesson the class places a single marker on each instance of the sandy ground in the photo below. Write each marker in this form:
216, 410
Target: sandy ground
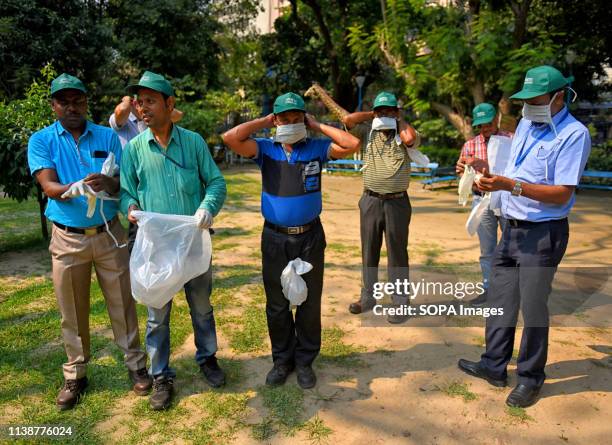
396, 398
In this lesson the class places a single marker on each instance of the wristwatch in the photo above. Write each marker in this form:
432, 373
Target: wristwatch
517, 190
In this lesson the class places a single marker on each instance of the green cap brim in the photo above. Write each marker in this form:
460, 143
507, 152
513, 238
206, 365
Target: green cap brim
482, 120
282, 110
53, 93
523, 94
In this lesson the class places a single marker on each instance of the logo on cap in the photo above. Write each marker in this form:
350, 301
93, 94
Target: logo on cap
528, 80
291, 100
384, 99
480, 113
64, 80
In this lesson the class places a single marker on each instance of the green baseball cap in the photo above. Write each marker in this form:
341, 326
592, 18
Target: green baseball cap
483, 114
153, 81
385, 99
287, 102
541, 80
66, 82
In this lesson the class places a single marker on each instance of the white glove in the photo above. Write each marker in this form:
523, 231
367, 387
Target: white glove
204, 218
78, 188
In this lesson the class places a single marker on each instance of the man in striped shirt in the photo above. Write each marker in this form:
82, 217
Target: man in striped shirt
384, 206
474, 152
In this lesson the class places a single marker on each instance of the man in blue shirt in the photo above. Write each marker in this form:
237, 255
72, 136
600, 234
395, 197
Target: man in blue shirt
66, 159
291, 203
548, 155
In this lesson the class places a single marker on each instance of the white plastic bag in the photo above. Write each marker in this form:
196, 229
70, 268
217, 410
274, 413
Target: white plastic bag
477, 213
418, 157
169, 251
498, 154
465, 185
294, 286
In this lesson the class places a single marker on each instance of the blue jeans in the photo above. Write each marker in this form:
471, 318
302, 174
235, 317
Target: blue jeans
487, 235
157, 336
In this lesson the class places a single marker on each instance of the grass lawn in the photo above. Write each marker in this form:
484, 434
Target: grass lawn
32, 354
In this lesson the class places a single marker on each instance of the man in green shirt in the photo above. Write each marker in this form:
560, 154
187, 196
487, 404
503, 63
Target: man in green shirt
168, 169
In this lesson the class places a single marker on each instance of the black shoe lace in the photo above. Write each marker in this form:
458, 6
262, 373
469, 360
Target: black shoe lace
162, 384
72, 385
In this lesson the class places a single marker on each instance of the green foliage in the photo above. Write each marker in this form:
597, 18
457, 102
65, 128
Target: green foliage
465, 52
601, 157
72, 34
151, 35
18, 120
310, 43
209, 116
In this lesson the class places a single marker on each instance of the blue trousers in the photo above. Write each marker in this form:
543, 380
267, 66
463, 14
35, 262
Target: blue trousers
523, 268
157, 336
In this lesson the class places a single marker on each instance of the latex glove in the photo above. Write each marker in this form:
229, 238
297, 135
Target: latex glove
204, 218
78, 188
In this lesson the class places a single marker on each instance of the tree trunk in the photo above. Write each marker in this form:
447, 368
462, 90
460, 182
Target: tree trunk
456, 120
42, 202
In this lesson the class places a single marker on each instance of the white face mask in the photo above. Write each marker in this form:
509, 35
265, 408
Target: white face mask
539, 113
290, 133
384, 123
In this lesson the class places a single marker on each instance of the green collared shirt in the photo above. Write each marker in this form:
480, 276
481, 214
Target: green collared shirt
177, 180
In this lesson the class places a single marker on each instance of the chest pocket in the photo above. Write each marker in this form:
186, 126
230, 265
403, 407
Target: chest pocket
188, 180
540, 162
311, 176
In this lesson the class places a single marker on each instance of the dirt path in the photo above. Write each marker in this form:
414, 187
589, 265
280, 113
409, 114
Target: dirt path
403, 386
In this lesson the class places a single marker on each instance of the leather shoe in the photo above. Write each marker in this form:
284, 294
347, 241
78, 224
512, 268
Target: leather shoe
163, 390
278, 375
523, 396
213, 374
475, 369
480, 300
306, 377
71, 393
141, 380
358, 308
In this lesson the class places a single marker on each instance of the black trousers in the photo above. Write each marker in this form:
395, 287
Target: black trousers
294, 341
523, 268
391, 217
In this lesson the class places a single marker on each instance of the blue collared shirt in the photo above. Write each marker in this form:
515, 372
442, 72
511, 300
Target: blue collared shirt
132, 128
54, 147
538, 156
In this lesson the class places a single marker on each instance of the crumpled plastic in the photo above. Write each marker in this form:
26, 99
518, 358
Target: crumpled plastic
169, 251
294, 286
465, 185
476, 214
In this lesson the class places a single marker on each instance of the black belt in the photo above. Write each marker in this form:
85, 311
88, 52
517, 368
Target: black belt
522, 223
88, 231
295, 230
386, 195
477, 193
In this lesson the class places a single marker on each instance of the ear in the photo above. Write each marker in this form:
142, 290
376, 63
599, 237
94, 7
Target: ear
170, 102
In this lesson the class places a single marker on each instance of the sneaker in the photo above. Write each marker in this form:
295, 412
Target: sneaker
214, 375
71, 393
163, 389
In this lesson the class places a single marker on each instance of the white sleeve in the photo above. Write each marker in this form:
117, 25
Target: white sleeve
113, 123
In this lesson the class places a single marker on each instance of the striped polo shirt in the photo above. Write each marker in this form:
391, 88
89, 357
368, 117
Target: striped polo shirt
291, 183
387, 164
